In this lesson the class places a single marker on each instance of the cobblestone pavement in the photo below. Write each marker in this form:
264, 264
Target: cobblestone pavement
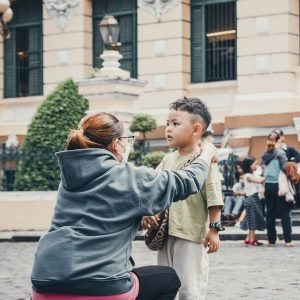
236, 272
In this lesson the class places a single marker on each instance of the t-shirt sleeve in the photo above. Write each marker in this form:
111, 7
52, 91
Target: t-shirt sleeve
213, 187
160, 188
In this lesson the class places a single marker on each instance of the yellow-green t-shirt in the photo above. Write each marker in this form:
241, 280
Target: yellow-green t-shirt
188, 219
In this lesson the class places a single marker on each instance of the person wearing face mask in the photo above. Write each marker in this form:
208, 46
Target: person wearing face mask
100, 203
274, 160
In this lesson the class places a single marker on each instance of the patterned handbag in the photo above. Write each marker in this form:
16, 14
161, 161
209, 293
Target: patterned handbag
155, 237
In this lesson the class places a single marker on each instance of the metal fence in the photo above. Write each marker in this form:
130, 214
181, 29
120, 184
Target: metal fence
15, 159
227, 168
9, 158
10, 162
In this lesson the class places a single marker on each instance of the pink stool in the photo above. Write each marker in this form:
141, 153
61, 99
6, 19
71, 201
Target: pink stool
130, 295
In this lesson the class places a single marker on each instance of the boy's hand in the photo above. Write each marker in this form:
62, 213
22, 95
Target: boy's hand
212, 241
150, 222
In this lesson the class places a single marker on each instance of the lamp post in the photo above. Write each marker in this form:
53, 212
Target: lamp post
6, 15
109, 29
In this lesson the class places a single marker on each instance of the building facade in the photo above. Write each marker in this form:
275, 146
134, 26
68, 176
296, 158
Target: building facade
240, 56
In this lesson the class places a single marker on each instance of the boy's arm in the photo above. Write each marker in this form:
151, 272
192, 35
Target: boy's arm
215, 204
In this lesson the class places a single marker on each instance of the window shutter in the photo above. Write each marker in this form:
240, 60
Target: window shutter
98, 46
126, 39
35, 61
9, 82
197, 48
125, 12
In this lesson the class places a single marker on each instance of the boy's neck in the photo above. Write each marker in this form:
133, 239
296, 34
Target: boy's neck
188, 150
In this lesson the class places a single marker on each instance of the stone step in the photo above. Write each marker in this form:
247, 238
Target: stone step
231, 233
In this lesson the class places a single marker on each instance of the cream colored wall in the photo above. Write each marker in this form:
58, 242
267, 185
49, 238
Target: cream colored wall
26, 210
163, 57
267, 60
68, 52
268, 54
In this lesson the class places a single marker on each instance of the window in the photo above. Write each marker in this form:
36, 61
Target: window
126, 13
213, 40
23, 52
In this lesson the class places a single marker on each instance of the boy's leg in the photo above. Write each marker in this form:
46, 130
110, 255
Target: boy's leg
165, 255
157, 283
190, 261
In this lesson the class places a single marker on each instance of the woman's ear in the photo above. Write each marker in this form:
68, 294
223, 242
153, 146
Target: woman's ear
113, 146
198, 129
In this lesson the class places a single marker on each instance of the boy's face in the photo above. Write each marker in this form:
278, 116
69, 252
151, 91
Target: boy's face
180, 130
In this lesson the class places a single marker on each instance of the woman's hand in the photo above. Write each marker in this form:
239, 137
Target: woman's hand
150, 222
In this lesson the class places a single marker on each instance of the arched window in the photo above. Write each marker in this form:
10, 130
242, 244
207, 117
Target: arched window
125, 12
213, 40
23, 52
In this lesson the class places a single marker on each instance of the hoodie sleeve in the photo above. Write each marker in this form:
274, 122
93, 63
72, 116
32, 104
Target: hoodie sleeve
160, 188
282, 160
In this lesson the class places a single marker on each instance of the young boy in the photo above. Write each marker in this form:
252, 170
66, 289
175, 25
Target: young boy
186, 247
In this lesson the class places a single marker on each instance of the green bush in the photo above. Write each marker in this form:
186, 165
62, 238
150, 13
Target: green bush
153, 159
142, 123
62, 110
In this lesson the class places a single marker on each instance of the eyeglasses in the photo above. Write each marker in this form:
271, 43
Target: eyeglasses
130, 139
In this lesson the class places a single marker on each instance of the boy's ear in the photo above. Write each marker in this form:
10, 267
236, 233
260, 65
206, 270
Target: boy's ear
198, 129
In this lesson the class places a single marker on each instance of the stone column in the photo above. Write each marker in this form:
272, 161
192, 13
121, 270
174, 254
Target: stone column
164, 56
68, 51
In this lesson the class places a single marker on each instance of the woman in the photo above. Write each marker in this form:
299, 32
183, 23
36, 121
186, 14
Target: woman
274, 160
100, 203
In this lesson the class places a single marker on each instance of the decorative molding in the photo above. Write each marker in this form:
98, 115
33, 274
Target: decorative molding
61, 10
157, 7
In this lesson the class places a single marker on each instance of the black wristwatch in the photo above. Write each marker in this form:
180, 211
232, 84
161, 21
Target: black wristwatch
218, 226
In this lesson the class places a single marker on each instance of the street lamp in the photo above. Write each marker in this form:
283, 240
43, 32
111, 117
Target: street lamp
109, 29
6, 15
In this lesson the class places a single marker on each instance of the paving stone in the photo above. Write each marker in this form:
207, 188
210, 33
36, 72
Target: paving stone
236, 271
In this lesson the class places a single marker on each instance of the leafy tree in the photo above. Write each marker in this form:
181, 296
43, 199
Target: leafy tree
153, 159
142, 123
62, 110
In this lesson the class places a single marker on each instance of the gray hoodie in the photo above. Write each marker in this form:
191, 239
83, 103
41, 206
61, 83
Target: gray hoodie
99, 207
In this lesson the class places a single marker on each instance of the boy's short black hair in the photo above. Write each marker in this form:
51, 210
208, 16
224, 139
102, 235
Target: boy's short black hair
193, 106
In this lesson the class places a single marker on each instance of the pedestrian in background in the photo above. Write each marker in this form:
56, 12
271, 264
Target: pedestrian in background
254, 219
274, 160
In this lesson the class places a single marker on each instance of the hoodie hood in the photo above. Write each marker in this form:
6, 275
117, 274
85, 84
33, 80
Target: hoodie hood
267, 157
79, 167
